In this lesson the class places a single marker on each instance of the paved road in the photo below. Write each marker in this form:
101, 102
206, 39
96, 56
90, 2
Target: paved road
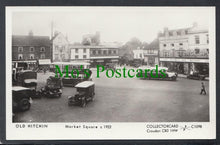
125, 100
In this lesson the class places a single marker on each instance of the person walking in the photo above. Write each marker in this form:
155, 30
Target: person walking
203, 89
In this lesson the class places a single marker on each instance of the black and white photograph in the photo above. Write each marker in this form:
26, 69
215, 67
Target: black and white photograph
112, 65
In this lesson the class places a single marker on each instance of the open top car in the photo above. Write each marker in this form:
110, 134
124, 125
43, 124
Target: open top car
85, 93
21, 98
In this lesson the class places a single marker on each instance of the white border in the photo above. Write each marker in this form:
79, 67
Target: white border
121, 130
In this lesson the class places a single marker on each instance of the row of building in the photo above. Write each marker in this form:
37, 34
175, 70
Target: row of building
37, 50
182, 50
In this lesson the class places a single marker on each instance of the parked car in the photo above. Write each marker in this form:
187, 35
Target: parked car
110, 66
21, 98
196, 76
85, 93
26, 78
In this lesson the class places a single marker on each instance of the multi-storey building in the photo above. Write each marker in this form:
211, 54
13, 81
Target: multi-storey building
28, 49
60, 48
185, 50
151, 53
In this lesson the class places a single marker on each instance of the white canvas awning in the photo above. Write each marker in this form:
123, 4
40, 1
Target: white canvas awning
44, 62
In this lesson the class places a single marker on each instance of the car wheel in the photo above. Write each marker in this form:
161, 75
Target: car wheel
24, 104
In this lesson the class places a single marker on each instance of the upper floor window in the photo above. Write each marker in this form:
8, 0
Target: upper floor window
109, 51
42, 56
84, 50
42, 49
114, 51
172, 45
104, 52
197, 51
84, 56
99, 52
181, 44
76, 50
31, 49
76, 56
207, 37
164, 45
20, 56
140, 55
166, 54
197, 39
31, 56
20, 49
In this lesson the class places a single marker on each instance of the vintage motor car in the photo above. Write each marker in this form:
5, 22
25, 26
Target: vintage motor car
196, 76
26, 78
85, 93
170, 76
21, 98
52, 88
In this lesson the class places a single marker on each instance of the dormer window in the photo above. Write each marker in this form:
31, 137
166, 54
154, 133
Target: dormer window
20, 49
42, 49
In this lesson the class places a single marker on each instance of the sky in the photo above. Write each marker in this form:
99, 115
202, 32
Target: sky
114, 23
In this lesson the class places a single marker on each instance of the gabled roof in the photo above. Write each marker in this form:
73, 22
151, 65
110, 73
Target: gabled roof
26, 40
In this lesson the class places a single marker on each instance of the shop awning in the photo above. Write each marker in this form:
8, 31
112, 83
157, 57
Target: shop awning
44, 62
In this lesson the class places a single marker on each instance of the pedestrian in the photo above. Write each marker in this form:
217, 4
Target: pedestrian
203, 89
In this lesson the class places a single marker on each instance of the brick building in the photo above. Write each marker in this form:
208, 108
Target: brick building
29, 49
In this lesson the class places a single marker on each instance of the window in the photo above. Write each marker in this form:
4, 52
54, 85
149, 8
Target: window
99, 52
197, 39
20, 49
42, 56
76, 50
42, 49
109, 51
31, 49
76, 56
197, 51
20, 56
94, 52
56, 56
172, 44
84, 50
31, 56
114, 51
166, 54
207, 36
164, 45
84, 56
105, 52
207, 51
140, 55
181, 44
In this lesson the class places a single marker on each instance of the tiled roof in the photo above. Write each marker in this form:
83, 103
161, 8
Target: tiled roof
26, 40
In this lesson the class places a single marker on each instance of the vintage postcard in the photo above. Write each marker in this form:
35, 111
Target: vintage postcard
107, 73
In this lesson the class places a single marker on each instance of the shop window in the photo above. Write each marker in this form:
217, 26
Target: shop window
42, 49
31, 49
20, 56
20, 49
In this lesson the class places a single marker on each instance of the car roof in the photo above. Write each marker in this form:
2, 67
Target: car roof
85, 84
19, 88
